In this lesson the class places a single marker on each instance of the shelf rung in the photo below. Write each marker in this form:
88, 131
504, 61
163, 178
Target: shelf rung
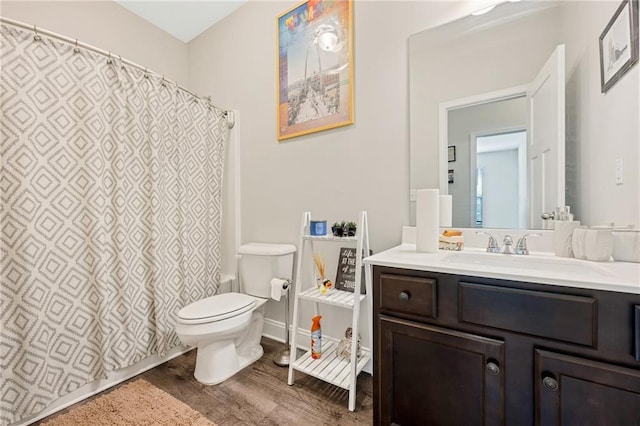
329, 238
344, 299
329, 367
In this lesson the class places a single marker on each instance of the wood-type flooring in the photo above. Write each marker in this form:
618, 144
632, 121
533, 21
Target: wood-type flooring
259, 394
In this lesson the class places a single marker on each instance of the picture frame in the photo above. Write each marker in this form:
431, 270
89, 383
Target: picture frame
619, 44
451, 176
346, 273
314, 67
452, 153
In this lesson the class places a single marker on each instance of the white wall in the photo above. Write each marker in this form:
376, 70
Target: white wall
601, 127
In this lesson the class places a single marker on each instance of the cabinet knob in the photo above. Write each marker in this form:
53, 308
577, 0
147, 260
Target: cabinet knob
493, 368
404, 296
550, 383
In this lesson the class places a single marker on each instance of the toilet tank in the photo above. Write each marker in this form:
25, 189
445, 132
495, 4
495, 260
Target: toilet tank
261, 262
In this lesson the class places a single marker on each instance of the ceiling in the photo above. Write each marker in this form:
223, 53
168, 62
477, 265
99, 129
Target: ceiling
184, 20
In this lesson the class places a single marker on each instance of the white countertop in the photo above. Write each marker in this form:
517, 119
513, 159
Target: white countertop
537, 267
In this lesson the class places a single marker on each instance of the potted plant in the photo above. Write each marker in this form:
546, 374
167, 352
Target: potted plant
337, 229
351, 229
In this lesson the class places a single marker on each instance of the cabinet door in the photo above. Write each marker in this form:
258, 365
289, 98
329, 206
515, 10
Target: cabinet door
435, 376
581, 392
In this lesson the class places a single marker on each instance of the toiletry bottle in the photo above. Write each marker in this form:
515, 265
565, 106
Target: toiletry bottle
316, 337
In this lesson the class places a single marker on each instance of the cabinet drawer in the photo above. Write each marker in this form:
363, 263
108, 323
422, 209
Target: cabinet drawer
562, 317
408, 295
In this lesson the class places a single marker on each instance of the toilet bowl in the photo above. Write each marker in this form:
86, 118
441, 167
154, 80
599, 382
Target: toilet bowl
227, 328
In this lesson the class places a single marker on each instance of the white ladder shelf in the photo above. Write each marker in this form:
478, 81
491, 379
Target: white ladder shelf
329, 367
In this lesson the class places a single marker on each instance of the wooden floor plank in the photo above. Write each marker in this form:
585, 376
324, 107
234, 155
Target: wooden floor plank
259, 394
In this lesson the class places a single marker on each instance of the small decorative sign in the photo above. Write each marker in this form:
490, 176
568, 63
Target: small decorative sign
346, 275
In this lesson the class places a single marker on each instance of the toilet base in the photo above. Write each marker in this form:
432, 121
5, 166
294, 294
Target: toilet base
218, 360
216, 363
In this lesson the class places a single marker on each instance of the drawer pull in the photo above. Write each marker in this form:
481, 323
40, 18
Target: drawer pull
404, 296
550, 383
493, 368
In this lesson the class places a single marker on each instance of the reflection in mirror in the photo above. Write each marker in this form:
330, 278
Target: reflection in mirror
536, 110
489, 185
506, 49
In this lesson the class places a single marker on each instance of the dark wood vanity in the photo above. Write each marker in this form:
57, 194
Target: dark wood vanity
462, 350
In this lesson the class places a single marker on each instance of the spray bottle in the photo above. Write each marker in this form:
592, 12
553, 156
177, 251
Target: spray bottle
316, 337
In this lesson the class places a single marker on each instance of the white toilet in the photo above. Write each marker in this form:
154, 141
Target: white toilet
226, 328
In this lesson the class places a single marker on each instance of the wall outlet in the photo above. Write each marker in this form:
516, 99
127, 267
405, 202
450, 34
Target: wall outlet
619, 171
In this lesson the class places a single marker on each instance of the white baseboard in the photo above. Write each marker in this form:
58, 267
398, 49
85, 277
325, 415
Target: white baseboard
97, 386
275, 330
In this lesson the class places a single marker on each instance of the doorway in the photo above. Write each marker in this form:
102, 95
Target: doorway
500, 180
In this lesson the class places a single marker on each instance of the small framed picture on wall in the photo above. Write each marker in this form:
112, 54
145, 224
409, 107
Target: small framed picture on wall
452, 154
619, 44
450, 175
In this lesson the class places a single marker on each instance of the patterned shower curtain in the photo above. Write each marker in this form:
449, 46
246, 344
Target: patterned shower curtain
110, 186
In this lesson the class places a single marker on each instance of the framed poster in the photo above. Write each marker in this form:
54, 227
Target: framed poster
619, 44
346, 274
315, 67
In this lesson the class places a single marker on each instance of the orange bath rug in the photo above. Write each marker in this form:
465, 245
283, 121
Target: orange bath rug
136, 403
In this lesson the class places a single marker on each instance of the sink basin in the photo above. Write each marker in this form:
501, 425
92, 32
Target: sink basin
544, 264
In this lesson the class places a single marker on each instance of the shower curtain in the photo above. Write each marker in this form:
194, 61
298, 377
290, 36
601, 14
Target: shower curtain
110, 186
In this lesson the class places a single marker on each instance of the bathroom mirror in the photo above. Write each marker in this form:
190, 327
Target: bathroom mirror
468, 86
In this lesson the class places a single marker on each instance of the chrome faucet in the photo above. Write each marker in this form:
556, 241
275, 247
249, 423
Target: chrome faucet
507, 243
521, 245
492, 245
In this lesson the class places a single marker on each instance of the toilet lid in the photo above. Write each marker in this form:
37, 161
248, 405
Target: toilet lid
216, 308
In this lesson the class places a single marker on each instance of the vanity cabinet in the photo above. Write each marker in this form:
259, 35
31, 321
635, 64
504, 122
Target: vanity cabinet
431, 372
462, 350
577, 391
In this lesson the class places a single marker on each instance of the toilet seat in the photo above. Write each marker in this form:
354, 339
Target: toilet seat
216, 308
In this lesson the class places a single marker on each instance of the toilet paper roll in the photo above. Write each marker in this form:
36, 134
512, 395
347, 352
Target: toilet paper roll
278, 288
427, 220
445, 210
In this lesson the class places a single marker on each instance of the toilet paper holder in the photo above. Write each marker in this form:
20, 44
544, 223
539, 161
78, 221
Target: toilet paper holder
282, 358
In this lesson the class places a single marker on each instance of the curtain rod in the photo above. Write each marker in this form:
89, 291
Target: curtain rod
39, 31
